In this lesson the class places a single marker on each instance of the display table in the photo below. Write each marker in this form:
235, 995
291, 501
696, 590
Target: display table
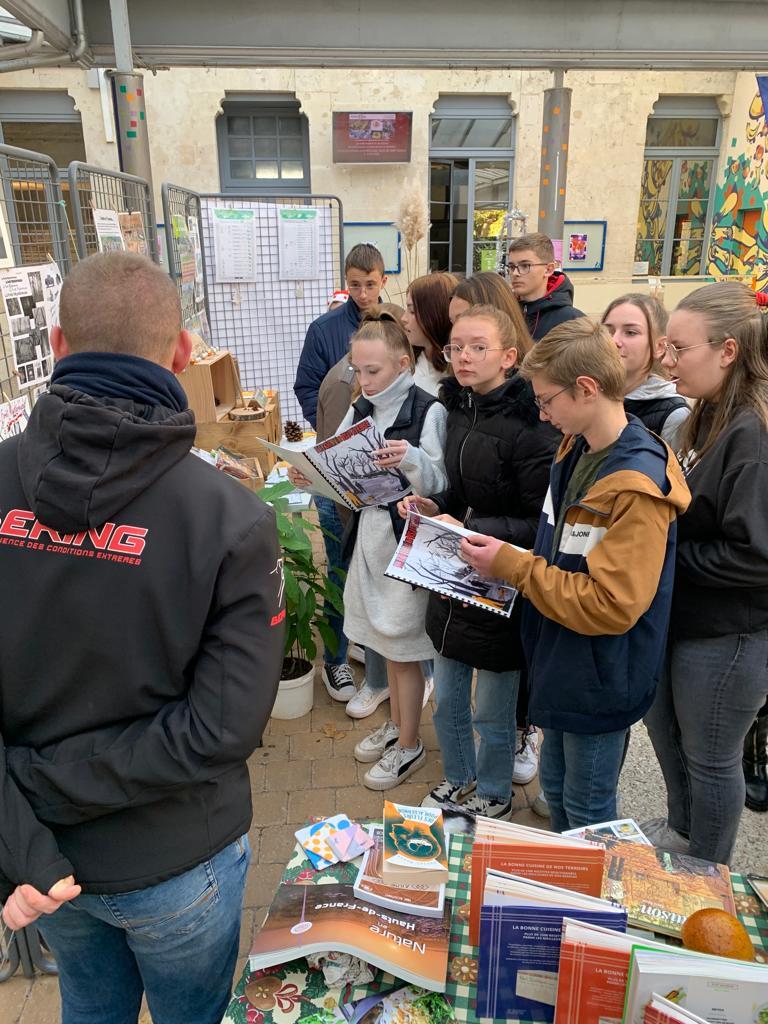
293, 992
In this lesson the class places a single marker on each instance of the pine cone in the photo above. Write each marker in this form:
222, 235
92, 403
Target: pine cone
293, 431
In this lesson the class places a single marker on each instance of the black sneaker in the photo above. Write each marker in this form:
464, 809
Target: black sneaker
446, 792
339, 682
488, 808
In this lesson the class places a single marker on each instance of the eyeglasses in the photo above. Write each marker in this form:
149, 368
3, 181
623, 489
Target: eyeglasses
363, 287
522, 268
675, 353
475, 352
542, 403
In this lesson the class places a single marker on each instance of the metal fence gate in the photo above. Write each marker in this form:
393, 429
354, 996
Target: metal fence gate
94, 188
182, 215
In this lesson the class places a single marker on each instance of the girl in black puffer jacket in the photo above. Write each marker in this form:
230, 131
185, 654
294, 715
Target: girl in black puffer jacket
498, 456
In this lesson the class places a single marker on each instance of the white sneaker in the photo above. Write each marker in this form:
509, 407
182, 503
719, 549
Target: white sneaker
488, 808
540, 806
339, 681
429, 686
446, 791
366, 700
394, 767
526, 757
372, 746
356, 653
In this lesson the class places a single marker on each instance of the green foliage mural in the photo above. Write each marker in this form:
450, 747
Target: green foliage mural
739, 241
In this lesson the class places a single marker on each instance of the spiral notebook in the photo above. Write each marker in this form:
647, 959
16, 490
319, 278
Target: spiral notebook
342, 468
429, 556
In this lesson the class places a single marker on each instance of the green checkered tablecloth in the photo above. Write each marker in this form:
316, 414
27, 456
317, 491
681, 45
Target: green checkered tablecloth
293, 992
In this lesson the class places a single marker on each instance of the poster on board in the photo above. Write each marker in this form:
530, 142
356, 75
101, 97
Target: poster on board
298, 233
194, 236
109, 236
132, 230
371, 138
234, 245
13, 417
577, 247
31, 297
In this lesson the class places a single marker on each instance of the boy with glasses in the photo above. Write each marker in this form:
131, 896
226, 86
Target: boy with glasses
599, 580
545, 294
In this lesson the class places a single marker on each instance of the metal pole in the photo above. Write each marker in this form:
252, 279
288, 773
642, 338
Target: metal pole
128, 95
554, 161
121, 35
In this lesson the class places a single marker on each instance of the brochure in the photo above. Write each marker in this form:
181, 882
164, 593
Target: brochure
663, 1011
415, 848
622, 828
342, 468
429, 556
306, 919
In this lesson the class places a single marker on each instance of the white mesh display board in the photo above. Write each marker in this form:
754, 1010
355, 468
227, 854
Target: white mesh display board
263, 322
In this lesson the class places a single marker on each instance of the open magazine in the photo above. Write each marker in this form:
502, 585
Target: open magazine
342, 468
429, 556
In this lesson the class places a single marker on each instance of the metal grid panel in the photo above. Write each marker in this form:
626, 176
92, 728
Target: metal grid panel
93, 188
264, 323
181, 202
33, 229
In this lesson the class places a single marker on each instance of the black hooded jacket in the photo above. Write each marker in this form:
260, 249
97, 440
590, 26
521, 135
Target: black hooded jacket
142, 644
497, 456
552, 309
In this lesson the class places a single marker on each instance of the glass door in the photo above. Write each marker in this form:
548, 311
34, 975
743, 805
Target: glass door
491, 200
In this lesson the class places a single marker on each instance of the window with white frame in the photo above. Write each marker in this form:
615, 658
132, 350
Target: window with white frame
682, 143
263, 146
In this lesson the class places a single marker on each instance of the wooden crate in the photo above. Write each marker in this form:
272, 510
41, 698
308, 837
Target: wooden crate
212, 386
245, 438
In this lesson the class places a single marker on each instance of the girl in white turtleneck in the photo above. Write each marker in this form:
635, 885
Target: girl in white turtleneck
380, 613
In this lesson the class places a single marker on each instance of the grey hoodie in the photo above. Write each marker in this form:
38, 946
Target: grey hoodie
650, 399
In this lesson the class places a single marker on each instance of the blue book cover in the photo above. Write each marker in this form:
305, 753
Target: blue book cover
520, 956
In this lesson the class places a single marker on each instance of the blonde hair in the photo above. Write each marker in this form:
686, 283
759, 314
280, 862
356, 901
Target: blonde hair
120, 302
656, 318
730, 310
381, 325
509, 337
578, 348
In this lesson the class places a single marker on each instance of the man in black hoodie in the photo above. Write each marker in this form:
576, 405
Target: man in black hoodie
142, 643
546, 295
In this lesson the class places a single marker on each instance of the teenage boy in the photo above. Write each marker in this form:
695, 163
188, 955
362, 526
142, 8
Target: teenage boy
599, 580
545, 294
326, 343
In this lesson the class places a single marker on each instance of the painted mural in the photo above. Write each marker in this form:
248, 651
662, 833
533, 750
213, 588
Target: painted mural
739, 241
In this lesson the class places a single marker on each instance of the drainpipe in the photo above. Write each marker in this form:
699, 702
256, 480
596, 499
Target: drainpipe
33, 45
80, 45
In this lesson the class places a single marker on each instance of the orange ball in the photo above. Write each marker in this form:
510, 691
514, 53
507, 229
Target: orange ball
717, 932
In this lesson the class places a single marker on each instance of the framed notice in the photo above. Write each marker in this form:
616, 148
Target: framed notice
385, 236
583, 245
372, 138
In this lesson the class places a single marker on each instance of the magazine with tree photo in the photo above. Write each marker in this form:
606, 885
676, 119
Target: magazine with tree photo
344, 470
429, 556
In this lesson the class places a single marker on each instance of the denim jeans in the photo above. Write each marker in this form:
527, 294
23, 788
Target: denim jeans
709, 695
376, 669
177, 941
328, 516
580, 775
494, 719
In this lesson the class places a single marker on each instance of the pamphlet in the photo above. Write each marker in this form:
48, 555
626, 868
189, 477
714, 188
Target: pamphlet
13, 417
429, 556
343, 469
622, 828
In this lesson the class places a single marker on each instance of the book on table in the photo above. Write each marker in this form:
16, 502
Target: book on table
661, 888
720, 990
405, 897
533, 853
415, 847
594, 968
521, 925
663, 1011
305, 919
428, 555
621, 828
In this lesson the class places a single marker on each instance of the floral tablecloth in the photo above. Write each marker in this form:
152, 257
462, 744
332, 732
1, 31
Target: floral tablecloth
293, 992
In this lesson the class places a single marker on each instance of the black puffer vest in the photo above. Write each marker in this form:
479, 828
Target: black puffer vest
408, 425
653, 412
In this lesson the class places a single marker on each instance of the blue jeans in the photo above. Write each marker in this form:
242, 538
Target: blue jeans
709, 695
328, 516
580, 775
376, 669
494, 719
177, 941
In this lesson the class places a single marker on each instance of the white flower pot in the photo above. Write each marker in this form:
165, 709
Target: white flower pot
295, 696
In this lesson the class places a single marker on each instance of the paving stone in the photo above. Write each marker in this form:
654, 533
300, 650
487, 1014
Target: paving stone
309, 746
246, 932
261, 883
43, 1005
330, 772
274, 748
288, 775
303, 805
333, 715
289, 726
276, 845
13, 996
257, 772
270, 808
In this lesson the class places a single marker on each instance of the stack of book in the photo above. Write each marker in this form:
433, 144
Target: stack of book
415, 845
418, 897
663, 1011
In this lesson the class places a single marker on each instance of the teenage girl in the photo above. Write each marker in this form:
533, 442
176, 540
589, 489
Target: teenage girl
380, 613
498, 456
638, 325
714, 683
428, 327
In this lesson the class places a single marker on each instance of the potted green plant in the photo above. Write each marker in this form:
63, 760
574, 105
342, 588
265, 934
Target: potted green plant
307, 591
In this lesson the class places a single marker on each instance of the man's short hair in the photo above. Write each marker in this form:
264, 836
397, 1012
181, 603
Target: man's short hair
364, 257
535, 242
578, 348
120, 302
